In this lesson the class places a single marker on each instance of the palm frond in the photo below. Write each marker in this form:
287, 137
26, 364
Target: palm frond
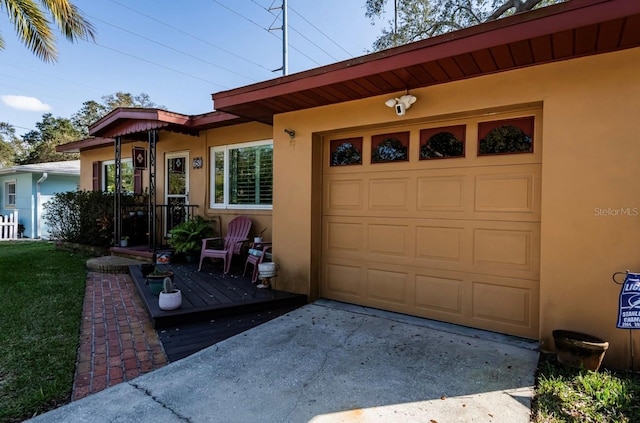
70, 20
32, 27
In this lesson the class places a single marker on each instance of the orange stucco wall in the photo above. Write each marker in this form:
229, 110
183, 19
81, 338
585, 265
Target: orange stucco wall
170, 142
591, 151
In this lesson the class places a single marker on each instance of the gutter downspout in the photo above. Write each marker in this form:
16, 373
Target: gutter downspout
44, 177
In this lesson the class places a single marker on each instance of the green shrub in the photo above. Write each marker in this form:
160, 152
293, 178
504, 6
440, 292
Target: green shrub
187, 236
84, 217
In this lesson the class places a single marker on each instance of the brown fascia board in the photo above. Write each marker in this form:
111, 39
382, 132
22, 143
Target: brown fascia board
85, 144
564, 16
196, 122
121, 113
215, 119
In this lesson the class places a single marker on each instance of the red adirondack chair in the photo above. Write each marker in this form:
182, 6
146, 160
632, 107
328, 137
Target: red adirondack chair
237, 233
259, 252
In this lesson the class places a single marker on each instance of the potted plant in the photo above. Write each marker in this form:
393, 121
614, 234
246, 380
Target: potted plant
577, 349
170, 298
186, 238
156, 278
124, 241
146, 268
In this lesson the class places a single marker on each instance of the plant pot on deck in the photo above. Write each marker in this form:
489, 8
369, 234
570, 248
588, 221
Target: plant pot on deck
170, 300
579, 350
155, 280
146, 268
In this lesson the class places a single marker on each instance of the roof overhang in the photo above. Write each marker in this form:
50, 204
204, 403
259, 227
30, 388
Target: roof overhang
564, 31
134, 124
84, 144
66, 168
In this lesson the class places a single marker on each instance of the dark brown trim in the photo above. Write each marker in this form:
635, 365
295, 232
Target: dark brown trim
504, 44
85, 144
137, 181
96, 180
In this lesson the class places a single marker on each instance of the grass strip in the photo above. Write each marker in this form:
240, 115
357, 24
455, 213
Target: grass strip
40, 313
565, 394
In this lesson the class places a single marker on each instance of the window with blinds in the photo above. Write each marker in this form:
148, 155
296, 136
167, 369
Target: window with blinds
242, 175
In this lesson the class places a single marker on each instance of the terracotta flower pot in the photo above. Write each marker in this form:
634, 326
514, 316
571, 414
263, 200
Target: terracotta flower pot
579, 350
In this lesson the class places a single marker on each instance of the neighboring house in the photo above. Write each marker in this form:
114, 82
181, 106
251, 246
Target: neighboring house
504, 198
26, 188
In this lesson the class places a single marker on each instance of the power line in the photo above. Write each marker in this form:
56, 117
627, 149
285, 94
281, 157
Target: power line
171, 48
295, 30
161, 66
263, 28
48, 75
240, 15
320, 31
191, 35
314, 43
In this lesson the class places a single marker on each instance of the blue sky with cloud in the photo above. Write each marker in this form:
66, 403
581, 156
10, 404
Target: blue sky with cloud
178, 52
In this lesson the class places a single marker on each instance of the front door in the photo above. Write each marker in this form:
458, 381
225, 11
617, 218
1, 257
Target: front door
177, 192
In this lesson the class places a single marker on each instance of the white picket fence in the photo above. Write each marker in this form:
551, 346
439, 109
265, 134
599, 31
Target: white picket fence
9, 226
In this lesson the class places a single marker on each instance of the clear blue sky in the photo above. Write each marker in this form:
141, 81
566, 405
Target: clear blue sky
178, 52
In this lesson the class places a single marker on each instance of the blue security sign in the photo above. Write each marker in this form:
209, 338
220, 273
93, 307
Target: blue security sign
629, 308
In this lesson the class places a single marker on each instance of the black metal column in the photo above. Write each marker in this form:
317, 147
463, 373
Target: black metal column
153, 140
117, 210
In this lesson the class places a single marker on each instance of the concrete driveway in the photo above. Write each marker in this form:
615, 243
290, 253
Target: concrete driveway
331, 362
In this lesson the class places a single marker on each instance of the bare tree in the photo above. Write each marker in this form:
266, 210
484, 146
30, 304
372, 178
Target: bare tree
419, 19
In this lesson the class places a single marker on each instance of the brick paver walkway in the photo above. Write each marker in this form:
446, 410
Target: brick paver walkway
118, 342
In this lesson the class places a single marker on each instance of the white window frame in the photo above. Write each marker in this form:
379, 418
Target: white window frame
103, 174
212, 177
7, 203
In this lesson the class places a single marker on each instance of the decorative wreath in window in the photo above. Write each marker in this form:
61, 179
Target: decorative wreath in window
346, 154
506, 139
442, 145
389, 150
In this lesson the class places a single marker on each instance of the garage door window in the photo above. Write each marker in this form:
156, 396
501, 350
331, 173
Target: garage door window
390, 147
346, 151
510, 136
442, 143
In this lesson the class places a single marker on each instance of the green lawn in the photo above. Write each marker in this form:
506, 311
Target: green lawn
575, 396
40, 313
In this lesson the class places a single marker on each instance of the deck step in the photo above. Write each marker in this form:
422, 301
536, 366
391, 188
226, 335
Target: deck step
132, 253
111, 264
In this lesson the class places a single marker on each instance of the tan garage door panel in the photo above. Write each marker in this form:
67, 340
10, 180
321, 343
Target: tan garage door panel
456, 297
508, 249
454, 240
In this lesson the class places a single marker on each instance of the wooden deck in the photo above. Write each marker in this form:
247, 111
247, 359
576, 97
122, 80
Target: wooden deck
209, 294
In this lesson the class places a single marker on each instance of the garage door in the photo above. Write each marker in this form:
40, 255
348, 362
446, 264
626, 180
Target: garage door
438, 220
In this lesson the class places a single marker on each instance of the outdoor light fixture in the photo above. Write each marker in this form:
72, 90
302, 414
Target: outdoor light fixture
401, 104
292, 136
